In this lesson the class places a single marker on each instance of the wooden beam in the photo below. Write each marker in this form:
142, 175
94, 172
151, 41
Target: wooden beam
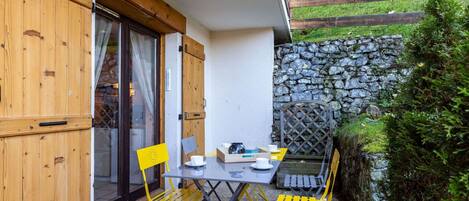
85, 3
306, 3
154, 14
193, 48
28, 126
363, 20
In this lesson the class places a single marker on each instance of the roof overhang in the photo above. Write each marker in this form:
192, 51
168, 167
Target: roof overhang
225, 15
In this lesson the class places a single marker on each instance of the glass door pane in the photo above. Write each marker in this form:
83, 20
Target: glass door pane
107, 65
142, 102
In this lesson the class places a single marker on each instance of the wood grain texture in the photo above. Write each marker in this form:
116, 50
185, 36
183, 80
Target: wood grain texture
2, 176
74, 58
47, 149
156, 15
31, 57
193, 48
47, 57
162, 12
61, 57
60, 167
84, 3
31, 167
193, 92
45, 76
85, 164
86, 66
13, 88
2, 59
13, 169
162, 96
30, 126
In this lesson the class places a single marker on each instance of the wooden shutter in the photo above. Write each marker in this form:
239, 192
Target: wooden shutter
45, 94
193, 105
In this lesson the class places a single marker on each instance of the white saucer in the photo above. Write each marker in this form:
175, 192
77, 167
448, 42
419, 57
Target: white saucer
273, 151
270, 166
188, 163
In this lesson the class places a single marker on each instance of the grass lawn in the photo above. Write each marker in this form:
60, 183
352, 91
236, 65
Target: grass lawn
322, 34
370, 132
352, 9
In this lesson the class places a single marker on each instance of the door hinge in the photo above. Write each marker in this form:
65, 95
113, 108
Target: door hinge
180, 48
92, 122
93, 8
180, 117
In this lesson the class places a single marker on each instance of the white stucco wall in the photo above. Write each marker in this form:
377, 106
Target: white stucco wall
240, 97
173, 88
238, 87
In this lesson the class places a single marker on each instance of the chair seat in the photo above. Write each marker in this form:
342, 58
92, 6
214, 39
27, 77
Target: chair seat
180, 195
300, 181
295, 198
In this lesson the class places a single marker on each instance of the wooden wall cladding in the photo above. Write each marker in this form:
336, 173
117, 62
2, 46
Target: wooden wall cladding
154, 14
45, 75
52, 166
46, 69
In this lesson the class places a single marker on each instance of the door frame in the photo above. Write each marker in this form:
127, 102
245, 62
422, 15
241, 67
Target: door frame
123, 163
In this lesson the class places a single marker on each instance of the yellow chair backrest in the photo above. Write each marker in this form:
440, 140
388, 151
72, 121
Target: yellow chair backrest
331, 178
149, 157
153, 155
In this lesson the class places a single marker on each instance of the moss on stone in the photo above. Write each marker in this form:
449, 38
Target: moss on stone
369, 132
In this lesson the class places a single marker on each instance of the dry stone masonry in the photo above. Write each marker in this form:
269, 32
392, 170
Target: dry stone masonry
347, 74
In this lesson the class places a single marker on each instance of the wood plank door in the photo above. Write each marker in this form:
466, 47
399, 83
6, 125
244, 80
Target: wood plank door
45, 85
193, 101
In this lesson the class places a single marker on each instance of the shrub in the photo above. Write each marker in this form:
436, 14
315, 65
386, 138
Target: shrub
428, 131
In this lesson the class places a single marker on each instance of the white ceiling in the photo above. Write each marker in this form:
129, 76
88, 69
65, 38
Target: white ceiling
222, 15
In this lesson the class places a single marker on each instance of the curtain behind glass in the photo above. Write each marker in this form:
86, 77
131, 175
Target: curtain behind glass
143, 63
102, 33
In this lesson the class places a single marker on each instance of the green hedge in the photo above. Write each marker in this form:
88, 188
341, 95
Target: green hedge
429, 130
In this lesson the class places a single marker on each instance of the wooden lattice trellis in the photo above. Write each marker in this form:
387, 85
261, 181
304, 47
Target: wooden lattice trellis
305, 128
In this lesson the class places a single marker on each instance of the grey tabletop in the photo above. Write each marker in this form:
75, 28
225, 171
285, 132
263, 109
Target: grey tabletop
217, 170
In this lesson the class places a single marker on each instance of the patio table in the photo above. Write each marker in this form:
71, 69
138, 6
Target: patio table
217, 170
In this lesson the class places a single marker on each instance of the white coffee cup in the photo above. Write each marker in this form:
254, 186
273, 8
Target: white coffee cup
272, 147
197, 160
262, 162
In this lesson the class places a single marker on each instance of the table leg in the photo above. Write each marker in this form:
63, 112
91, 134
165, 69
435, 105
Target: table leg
238, 191
213, 189
201, 189
229, 187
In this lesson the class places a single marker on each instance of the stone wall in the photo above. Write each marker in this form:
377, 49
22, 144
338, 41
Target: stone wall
362, 175
347, 74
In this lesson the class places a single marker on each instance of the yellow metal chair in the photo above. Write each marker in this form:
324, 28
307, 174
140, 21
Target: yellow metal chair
327, 195
251, 190
158, 154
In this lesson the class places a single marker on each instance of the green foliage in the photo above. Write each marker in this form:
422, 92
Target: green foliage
370, 133
352, 9
459, 185
331, 33
428, 132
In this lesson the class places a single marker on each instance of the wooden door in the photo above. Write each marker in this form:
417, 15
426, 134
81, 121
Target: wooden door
193, 104
45, 85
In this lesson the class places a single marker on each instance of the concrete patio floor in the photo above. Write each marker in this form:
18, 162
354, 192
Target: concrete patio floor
224, 193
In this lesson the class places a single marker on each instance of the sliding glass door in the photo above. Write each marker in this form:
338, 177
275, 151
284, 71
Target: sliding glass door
126, 105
